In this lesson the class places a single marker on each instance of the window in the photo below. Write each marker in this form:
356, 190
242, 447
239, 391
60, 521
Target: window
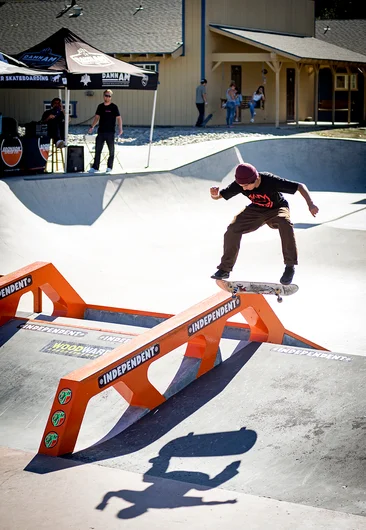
353, 81
153, 67
342, 81
72, 107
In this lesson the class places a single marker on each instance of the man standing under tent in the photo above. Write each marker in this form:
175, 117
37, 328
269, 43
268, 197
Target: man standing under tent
106, 115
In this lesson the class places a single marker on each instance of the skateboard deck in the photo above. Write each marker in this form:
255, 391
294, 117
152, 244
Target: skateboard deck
206, 120
237, 287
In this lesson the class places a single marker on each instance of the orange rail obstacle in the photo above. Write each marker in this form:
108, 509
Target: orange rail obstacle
126, 367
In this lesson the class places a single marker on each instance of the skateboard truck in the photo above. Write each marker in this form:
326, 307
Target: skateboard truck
279, 297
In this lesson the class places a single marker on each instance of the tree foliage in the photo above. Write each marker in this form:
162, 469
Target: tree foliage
340, 9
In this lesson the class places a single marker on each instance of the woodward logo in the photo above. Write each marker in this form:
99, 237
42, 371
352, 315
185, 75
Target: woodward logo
43, 149
75, 349
312, 353
11, 151
85, 58
213, 316
128, 365
16, 286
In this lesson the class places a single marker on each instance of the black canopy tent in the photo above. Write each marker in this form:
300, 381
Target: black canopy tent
16, 74
86, 67
25, 153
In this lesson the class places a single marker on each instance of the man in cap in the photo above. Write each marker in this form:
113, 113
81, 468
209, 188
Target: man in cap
268, 206
201, 101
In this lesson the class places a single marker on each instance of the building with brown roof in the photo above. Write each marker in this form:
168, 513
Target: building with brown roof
275, 44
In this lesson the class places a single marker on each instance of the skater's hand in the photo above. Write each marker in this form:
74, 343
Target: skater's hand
215, 193
313, 209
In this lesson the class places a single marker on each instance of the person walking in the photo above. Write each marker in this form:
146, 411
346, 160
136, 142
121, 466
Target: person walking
257, 97
268, 206
107, 114
230, 104
201, 101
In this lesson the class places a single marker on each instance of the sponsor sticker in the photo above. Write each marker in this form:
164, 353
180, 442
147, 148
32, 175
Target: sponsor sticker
53, 330
51, 439
85, 57
85, 79
75, 349
11, 151
43, 149
312, 353
58, 418
64, 396
42, 58
213, 316
116, 79
11, 288
129, 365
113, 338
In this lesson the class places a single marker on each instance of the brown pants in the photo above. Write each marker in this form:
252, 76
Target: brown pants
250, 220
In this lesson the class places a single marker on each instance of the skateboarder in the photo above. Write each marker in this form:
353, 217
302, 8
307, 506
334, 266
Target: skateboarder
268, 206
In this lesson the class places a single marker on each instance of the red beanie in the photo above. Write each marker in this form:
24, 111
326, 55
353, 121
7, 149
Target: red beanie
246, 174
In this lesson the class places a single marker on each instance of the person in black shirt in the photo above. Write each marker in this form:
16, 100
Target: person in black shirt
268, 206
55, 120
106, 114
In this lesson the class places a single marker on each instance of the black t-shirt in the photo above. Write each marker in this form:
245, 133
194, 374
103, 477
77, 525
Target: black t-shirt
108, 115
267, 195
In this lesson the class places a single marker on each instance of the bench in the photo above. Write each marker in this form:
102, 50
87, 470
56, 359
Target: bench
245, 102
326, 104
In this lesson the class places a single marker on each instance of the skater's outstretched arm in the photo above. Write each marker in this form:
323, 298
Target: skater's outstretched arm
305, 193
215, 193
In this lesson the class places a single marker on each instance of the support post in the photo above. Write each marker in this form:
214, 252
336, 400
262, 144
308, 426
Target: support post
316, 92
152, 127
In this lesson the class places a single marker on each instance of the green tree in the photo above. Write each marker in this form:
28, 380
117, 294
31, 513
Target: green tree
340, 9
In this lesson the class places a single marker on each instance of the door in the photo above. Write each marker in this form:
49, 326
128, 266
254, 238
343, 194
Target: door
236, 77
290, 94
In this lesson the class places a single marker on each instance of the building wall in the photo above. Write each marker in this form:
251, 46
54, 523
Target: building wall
179, 77
292, 16
287, 16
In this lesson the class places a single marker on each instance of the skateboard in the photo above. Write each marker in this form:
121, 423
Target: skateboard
206, 120
235, 287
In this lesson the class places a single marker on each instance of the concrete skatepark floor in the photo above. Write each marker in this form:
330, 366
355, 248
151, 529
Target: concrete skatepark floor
150, 241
